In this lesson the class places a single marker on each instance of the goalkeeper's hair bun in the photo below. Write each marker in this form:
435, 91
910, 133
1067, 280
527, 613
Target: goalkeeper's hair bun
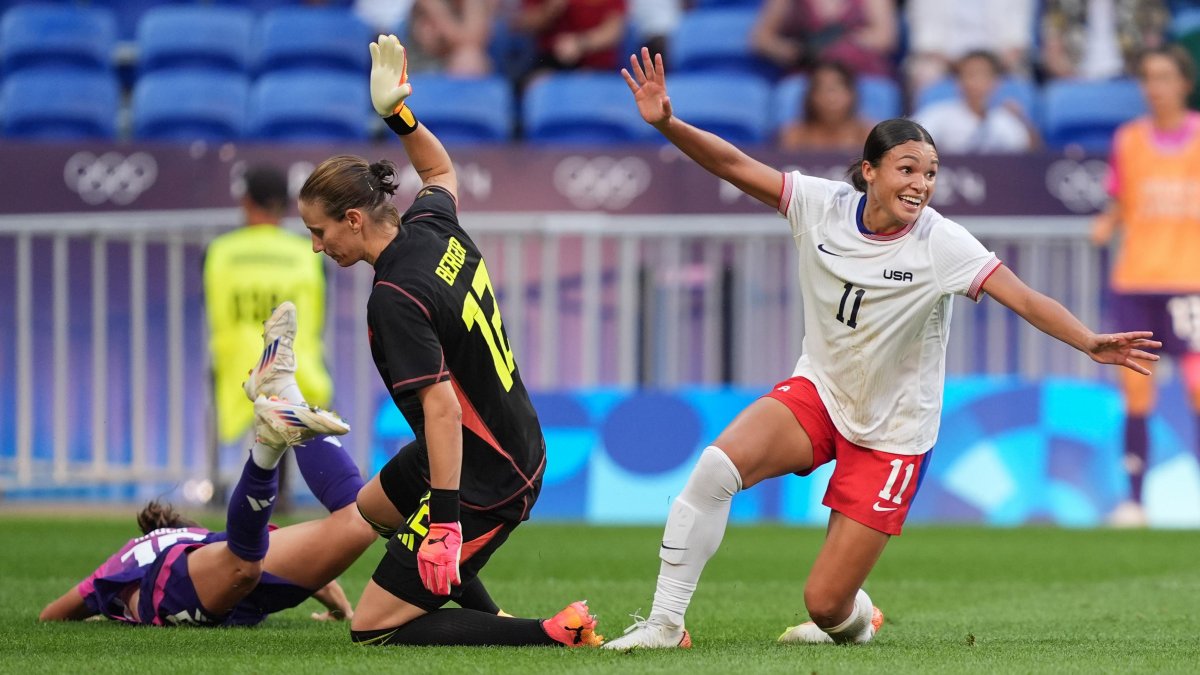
383, 176
345, 182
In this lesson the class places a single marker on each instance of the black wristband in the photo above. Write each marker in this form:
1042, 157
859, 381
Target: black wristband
403, 122
443, 506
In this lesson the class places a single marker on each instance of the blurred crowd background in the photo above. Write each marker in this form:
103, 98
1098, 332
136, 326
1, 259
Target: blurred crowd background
800, 73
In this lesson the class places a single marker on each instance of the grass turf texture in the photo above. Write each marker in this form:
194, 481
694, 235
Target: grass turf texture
957, 600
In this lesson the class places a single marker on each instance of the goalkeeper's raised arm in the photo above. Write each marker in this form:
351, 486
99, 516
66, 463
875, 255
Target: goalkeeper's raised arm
389, 90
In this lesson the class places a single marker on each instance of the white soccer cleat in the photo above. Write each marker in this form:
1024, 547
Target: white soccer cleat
808, 633
280, 424
651, 634
805, 633
276, 367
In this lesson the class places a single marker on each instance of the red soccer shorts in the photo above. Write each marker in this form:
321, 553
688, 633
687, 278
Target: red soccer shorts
868, 486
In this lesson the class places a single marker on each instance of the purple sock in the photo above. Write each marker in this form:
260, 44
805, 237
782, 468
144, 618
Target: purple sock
250, 509
329, 472
1137, 446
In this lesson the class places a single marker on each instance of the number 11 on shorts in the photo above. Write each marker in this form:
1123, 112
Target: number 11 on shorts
886, 492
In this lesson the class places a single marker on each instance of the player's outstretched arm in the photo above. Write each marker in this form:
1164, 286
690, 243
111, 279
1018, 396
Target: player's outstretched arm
389, 89
1050, 317
68, 607
648, 82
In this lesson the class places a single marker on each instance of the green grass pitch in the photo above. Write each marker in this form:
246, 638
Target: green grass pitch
957, 600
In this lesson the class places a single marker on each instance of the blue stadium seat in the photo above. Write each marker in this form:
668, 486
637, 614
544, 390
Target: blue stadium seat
128, 13
313, 37
464, 110
1086, 113
878, 99
176, 36
50, 103
1185, 21
1018, 89
717, 40
734, 106
187, 105
57, 35
311, 106
582, 108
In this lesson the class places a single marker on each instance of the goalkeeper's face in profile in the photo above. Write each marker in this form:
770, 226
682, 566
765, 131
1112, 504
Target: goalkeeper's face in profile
346, 206
338, 238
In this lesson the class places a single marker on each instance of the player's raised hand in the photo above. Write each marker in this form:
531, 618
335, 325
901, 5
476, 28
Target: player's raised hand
648, 83
1124, 349
438, 557
389, 75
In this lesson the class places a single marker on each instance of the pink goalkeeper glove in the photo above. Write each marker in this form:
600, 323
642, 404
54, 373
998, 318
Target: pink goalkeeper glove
437, 560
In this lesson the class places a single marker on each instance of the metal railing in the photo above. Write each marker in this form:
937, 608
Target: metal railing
104, 352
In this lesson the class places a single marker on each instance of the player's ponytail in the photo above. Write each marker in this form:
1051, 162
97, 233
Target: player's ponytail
156, 515
883, 137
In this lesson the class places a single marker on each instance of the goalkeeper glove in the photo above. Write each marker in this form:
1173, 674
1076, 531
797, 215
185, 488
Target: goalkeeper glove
390, 85
437, 560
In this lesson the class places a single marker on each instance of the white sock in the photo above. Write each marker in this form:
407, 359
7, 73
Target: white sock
694, 530
857, 627
266, 456
291, 394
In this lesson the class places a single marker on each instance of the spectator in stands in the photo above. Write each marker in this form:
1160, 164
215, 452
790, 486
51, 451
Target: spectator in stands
830, 113
574, 33
653, 21
383, 16
940, 32
1098, 39
795, 34
1154, 185
247, 273
974, 122
450, 36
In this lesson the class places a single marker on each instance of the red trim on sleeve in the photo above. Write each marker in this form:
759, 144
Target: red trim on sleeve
785, 192
980, 279
436, 377
407, 295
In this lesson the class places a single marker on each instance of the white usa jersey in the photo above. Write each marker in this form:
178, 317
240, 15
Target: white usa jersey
877, 311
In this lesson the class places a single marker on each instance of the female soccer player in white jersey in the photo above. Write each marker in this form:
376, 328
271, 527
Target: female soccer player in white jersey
878, 270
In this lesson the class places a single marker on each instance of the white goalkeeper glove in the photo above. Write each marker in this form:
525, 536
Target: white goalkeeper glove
389, 76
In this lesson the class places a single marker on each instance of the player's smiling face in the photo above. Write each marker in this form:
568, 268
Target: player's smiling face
900, 186
337, 239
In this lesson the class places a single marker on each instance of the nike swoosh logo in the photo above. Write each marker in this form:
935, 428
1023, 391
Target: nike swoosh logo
877, 507
822, 249
672, 548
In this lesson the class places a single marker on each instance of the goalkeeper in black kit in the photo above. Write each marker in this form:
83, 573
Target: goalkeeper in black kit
450, 499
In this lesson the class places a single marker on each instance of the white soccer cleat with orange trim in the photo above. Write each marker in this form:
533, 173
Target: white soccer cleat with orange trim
809, 633
651, 634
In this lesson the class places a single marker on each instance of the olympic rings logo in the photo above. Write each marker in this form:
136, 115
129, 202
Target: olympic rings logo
111, 177
601, 182
1078, 185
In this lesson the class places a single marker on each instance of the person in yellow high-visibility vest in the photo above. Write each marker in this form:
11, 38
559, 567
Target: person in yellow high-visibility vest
247, 272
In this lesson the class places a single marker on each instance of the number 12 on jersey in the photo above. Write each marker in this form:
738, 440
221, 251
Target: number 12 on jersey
493, 330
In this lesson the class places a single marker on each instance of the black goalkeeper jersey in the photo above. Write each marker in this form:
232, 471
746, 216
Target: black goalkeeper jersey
433, 317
